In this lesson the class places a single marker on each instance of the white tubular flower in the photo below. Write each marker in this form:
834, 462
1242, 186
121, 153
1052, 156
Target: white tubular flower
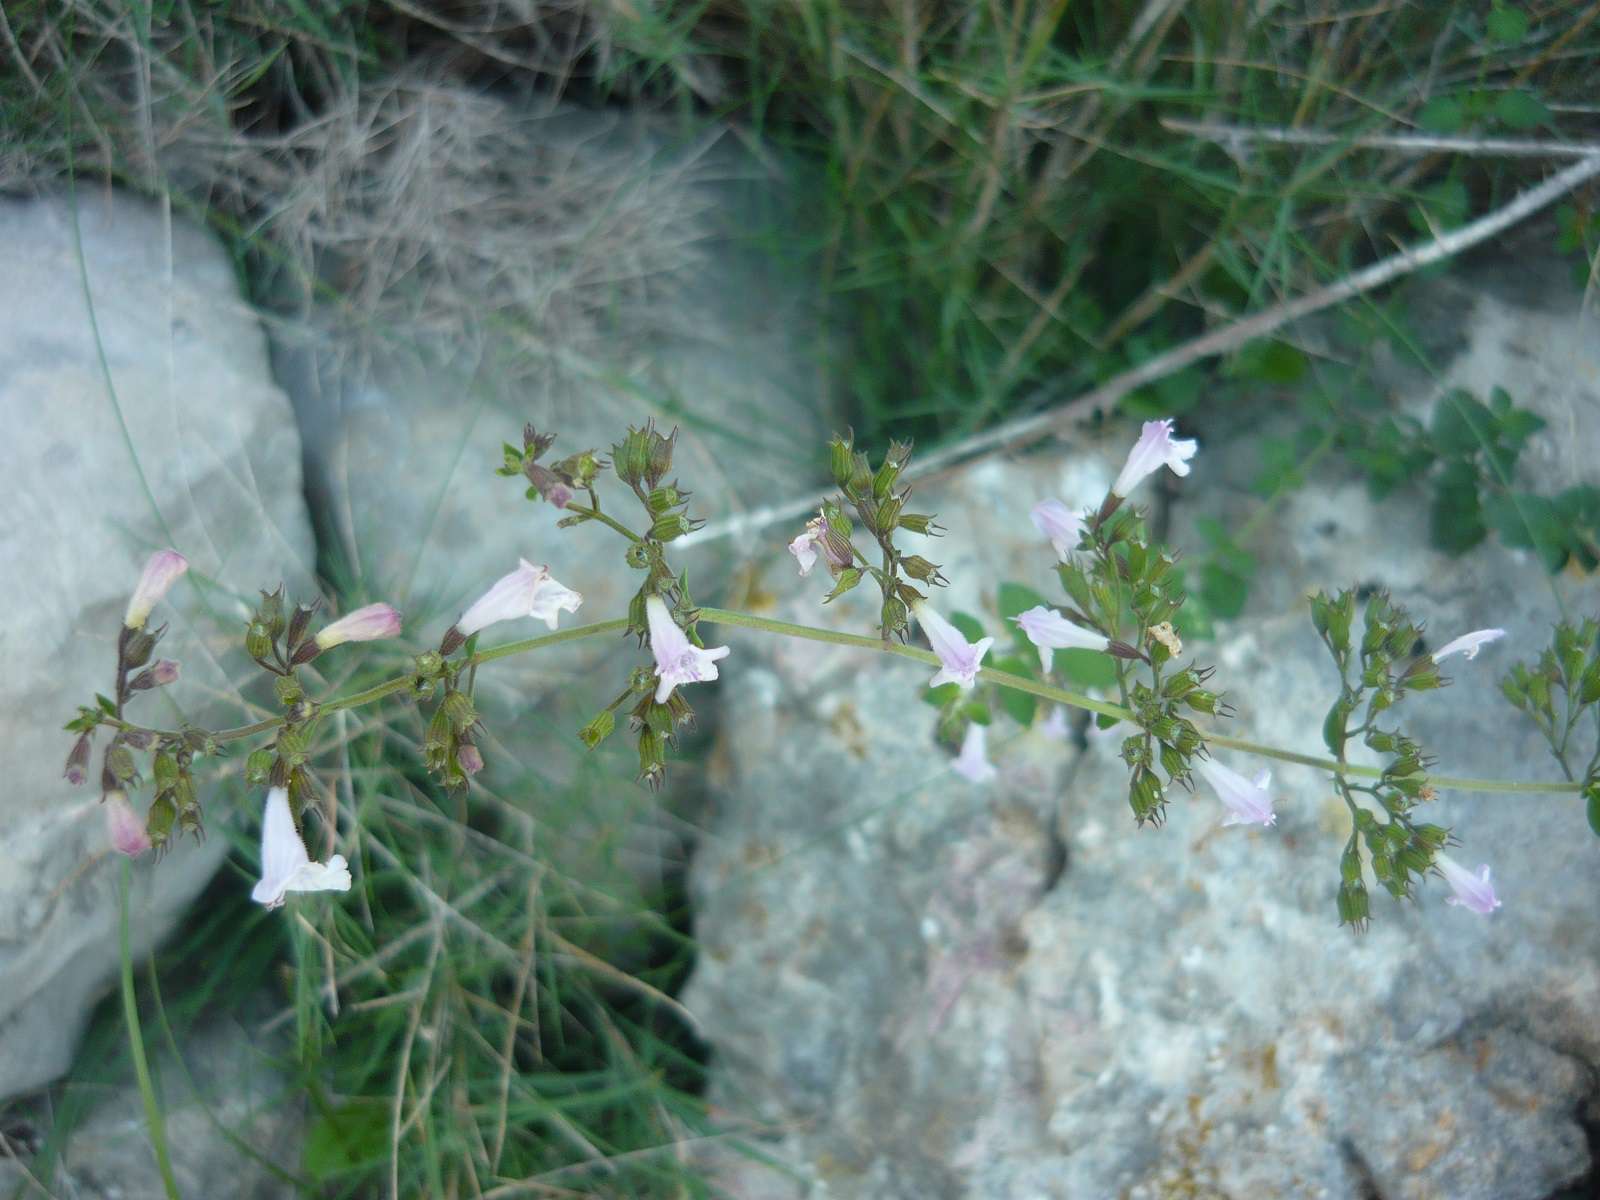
529, 591
678, 660
123, 826
1156, 448
367, 624
973, 761
1468, 644
1050, 631
285, 865
163, 569
1060, 524
958, 657
1248, 803
1472, 892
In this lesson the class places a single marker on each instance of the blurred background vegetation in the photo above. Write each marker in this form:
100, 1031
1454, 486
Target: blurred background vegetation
1001, 204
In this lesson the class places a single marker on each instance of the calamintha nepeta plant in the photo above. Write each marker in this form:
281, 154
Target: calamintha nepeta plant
1121, 594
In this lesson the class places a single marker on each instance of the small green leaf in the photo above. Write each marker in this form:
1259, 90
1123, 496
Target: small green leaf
1531, 522
1086, 668
1019, 706
1455, 518
1224, 591
1521, 110
1461, 423
1268, 362
1506, 24
107, 705
943, 694
1592, 796
1442, 114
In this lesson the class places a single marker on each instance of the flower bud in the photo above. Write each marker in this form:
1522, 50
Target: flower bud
367, 624
1145, 796
840, 463
428, 664
630, 458
164, 671
77, 769
161, 571
270, 613
458, 710
124, 828
297, 624
672, 525
888, 515
1350, 863
258, 766
546, 484
660, 455
1354, 908
469, 759
884, 478
257, 641
597, 730
1589, 685
663, 499
119, 763
137, 645
922, 570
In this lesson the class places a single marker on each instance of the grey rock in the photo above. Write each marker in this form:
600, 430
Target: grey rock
232, 1130
899, 976
146, 419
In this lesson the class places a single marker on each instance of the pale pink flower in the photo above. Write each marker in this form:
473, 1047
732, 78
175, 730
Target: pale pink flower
959, 658
1247, 802
1055, 726
678, 660
1058, 523
285, 865
1468, 644
163, 569
1050, 631
123, 826
1156, 448
1472, 892
973, 761
804, 547
367, 624
529, 591
469, 758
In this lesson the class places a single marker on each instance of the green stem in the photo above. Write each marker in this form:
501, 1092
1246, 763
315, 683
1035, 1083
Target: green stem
1045, 691
141, 1068
594, 514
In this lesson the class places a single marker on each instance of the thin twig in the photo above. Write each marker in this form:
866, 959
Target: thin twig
1050, 416
1411, 143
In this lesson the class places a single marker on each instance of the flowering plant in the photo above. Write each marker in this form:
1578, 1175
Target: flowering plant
1120, 597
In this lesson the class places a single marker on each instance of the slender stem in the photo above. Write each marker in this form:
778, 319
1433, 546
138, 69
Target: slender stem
594, 514
141, 1068
1045, 691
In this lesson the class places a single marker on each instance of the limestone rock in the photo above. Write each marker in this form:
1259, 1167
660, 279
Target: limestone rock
139, 412
937, 989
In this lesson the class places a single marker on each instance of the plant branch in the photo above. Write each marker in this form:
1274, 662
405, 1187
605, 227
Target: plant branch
141, 1068
1412, 143
1045, 691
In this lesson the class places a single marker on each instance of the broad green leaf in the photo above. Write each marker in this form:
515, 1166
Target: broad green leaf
1506, 24
1521, 110
1461, 424
1224, 591
1442, 114
1086, 668
1455, 518
1019, 706
1530, 522
1014, 598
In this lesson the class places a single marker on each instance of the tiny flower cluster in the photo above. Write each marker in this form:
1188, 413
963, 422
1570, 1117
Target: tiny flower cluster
1379, 670
880, 509
1560, 694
